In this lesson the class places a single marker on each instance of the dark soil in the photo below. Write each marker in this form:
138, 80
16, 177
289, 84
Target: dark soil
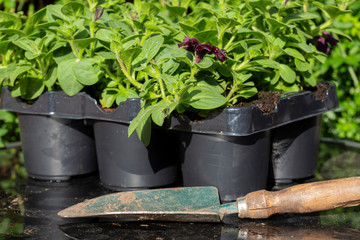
320, 90
265, 101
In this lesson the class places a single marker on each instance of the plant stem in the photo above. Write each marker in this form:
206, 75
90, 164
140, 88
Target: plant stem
92, 34
143, 39
306, 6
112, 76
242, 66
162, 89
229, 42
193, 71
125, 72
42, 68
37, 71
74, 49
232, 91
4, 60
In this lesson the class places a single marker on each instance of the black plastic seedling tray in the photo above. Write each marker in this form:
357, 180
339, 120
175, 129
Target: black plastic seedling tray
239, 121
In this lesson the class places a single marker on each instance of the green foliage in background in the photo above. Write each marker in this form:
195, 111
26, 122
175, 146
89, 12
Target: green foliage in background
343, 68
9, 130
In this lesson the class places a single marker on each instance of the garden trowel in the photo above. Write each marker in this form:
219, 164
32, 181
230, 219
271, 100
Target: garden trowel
201, 204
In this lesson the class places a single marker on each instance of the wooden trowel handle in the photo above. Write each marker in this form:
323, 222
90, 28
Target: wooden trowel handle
304, 198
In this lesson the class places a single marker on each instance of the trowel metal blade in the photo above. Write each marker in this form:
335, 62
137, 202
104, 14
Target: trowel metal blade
188, 204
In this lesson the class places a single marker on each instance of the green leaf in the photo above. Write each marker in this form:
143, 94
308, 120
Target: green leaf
305, 47
128, 56
18, 71
340, 33
85, 72
226, 23
108, 97
241, 78
287, 74
27, 45
309, 78
32, 21
267, 63
116, 47
152, 28
208, 36
170, 82
105, 35
84, 43
302, 66
107, 55
176, 10
5, 71
202, 98
276, 24
149, 49
12, 32
11, 17
140, 119
321, 57
4, 47
294, 53
67, 79
144, 131
247, 92
73, 9
189, 30
279, 42
29, 88
142, 124
149, 9
53, 13
161, 111
51, 77
299, 16
122, 26
205, 63
330, 10
276, 78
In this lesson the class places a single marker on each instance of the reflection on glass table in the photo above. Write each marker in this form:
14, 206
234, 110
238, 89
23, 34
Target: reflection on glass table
29, 209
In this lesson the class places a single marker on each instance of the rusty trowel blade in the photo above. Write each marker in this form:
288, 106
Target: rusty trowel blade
192, 204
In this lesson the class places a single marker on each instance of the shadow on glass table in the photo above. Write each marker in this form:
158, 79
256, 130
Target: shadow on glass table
28, 210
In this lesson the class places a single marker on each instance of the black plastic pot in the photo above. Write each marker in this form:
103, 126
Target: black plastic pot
235, 165
56, 148
295, 150
125, 163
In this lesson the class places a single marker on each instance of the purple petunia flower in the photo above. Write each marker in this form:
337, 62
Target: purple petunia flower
322, 45
200, 50
330, 39
98, 13
325, 43
189, 44
220, 54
